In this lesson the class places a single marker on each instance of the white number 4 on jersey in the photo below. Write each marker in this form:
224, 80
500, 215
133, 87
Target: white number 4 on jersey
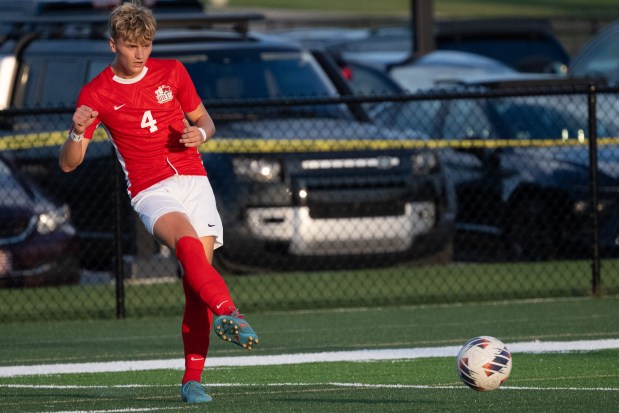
149, 122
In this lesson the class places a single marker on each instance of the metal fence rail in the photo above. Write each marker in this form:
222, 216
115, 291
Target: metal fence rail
443, 197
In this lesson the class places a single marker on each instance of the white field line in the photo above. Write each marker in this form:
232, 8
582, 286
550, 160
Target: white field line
326, 384
145, 409
329, 384
282, 359
360, 385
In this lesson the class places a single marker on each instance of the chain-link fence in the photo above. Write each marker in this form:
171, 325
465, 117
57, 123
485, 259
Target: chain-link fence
445, 197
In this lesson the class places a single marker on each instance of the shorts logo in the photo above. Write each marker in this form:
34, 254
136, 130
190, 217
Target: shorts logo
163, 94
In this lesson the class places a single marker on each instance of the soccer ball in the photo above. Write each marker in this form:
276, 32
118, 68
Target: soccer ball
484, 363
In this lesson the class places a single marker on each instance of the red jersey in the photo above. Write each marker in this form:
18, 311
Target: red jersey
144, 119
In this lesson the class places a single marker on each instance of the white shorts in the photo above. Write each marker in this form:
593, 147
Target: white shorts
189, 194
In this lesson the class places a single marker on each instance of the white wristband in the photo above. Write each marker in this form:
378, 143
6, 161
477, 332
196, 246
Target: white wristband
76, 138
203, 132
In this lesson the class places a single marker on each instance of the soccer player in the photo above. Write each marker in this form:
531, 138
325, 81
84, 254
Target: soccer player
144, 104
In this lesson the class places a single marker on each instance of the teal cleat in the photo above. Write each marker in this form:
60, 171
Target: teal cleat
193, 392
235, 329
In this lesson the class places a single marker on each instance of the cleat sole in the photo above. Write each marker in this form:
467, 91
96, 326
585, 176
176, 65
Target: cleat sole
230, 329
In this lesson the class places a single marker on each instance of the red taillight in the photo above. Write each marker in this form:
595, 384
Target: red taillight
347, 72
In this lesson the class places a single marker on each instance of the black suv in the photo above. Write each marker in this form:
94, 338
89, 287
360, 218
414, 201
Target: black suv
521, 165
300, 183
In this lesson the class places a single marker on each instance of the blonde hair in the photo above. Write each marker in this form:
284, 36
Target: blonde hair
132, 22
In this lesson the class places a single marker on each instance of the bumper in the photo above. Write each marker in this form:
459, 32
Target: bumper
289, 239
342, 236
40, 261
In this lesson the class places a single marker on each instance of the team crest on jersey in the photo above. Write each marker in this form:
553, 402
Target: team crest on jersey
164, 94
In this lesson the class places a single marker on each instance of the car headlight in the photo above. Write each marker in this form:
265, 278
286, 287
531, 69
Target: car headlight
581, 206
50, 221
260, 170
424, 162
8, 65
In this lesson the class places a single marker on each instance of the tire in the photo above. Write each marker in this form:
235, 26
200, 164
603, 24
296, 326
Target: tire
531, 231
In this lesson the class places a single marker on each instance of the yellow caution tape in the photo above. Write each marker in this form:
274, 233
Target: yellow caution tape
245, 145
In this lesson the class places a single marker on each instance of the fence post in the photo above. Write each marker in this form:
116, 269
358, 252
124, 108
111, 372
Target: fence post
119, 267
593, 188
422, 27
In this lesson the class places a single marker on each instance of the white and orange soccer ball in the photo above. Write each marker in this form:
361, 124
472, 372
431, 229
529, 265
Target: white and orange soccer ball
484, 363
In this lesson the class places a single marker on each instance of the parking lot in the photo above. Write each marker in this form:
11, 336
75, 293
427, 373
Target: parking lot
475, 165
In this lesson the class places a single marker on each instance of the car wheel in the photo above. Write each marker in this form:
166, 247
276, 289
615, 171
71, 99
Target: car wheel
442, 257
531, 231
228, 267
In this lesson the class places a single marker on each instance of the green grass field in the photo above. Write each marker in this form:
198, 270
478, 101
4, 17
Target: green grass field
398, 285
545, 382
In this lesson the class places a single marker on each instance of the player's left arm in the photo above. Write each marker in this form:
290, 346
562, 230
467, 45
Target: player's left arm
202, 130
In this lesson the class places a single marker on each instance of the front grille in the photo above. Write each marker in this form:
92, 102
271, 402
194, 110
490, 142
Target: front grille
353, 187
356, 197
355, 209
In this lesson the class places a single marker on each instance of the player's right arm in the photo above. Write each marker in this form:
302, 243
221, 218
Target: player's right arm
73, 150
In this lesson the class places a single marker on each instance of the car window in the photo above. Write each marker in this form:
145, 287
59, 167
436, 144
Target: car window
255, 74
60, 84
418, 115
599, 57
367, 81
12, 191
4, 170
465, 118
601, 61
50, 82
538, 121
94, 67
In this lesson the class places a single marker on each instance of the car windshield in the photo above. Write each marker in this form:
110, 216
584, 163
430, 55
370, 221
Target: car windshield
259, 74
600, 59
4, 170
561, 118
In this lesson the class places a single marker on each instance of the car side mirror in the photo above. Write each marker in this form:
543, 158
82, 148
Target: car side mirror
490, 157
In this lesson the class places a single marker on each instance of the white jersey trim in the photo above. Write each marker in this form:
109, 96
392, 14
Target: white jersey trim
120, 158
133, 79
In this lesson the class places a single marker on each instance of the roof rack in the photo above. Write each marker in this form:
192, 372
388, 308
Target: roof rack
564, 82
507, 25
72, 7
238, 22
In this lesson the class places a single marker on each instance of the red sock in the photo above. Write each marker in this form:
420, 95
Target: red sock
195, 330
201, 277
